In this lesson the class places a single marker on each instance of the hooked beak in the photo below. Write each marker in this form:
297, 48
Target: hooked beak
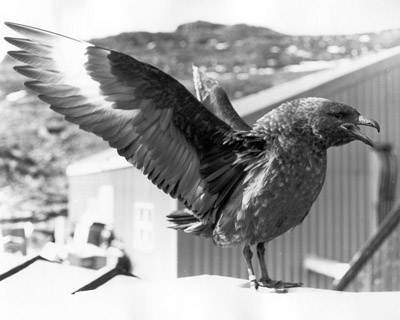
354, 130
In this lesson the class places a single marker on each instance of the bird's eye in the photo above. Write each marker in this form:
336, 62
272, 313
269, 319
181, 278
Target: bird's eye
338, 115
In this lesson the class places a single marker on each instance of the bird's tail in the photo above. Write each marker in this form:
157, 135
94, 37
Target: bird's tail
184, 220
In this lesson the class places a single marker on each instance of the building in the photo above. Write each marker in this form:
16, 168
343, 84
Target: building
341, 220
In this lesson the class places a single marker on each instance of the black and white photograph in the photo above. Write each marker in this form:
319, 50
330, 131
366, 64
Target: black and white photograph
199, 159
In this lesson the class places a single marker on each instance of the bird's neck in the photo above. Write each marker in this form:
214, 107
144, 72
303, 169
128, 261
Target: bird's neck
294, 150
287, 140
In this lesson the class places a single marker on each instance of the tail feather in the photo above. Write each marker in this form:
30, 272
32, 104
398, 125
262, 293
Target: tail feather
185, 221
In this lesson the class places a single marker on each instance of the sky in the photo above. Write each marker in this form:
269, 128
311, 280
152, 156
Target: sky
87, 19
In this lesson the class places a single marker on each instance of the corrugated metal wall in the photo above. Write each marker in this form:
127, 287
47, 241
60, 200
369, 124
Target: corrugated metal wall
342, 217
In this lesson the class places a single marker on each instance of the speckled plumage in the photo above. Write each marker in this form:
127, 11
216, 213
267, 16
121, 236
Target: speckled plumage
241, 184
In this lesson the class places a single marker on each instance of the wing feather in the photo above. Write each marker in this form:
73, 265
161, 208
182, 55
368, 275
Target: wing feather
210, 93
38, 62
149, 117
41, 75
30, 46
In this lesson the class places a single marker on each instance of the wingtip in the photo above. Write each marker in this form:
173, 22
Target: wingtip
12, 25
11, 40
21, 69
16, 54
17, 27
7, 39
9, 25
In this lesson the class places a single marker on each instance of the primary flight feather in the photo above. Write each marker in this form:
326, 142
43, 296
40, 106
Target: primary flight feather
240, 184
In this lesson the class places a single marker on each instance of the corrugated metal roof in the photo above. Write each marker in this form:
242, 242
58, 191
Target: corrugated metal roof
267, 99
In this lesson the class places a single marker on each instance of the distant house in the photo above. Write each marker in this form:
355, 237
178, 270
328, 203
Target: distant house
341, 220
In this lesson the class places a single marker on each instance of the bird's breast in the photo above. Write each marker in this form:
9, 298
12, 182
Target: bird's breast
276, 197
282, 195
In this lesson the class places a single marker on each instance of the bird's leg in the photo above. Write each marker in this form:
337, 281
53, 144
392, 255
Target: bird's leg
248, 255
265, 280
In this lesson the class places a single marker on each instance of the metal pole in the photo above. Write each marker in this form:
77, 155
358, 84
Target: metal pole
387, 226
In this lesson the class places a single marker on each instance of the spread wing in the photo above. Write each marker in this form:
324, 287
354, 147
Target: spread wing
210, 93
149, 117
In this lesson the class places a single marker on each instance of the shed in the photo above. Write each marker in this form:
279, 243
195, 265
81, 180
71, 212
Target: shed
341, 220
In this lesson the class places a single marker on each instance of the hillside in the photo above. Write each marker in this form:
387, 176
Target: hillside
245, 59
37, 144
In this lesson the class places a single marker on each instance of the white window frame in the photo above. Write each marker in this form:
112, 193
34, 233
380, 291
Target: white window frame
143, 226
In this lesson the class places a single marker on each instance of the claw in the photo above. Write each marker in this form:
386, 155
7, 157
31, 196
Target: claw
279, 286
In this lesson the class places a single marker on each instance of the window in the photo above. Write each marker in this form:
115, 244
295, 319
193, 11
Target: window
143, 226
105, 198
100, 207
